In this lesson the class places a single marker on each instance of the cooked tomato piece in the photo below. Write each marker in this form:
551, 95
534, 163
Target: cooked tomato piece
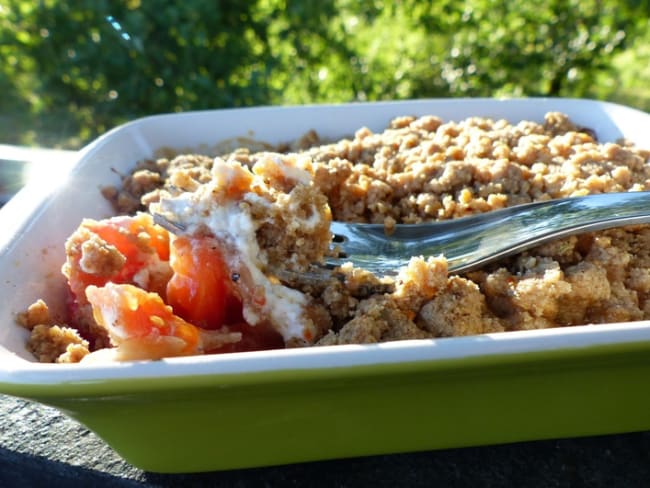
141, 324
198, 290
121, 250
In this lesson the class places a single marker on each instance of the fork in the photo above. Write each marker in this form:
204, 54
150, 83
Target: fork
470, 242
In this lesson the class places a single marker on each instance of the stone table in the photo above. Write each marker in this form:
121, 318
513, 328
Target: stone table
41, 447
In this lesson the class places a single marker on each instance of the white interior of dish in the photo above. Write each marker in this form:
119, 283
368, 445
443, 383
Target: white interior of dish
39, 219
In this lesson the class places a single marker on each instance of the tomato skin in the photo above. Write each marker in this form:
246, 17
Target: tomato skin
198, 290
234, 309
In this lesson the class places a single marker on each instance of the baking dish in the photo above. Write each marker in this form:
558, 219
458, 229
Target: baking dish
274, 407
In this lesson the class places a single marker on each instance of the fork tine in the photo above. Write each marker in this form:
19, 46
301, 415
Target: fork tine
165, 223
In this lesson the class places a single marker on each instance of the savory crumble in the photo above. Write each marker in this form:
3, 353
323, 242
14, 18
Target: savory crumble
263, 216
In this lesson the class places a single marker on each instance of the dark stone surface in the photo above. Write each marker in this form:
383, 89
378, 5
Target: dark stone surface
41, 447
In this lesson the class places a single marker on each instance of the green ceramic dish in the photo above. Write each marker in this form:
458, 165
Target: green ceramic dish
275, 407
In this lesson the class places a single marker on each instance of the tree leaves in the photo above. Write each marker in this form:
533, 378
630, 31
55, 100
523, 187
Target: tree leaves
72, 70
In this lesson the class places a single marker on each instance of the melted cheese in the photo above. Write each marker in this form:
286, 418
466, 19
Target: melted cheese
230, 222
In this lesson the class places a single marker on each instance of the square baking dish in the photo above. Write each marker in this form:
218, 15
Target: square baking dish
285, 406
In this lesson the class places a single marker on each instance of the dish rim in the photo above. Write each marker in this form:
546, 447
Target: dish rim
451, 350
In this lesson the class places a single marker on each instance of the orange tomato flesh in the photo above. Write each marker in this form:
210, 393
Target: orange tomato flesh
130, 234
198, 290
130, 313
136, 238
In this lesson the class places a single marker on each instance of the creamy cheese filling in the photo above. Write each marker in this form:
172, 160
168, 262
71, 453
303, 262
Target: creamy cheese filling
230, 223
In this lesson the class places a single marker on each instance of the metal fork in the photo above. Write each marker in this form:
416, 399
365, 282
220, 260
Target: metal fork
470, 242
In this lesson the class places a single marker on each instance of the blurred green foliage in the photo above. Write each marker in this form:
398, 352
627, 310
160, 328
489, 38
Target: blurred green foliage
73, 69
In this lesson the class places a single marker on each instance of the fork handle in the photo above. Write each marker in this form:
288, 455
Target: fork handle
471, 242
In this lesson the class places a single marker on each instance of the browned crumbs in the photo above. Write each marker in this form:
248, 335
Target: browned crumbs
48, 341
